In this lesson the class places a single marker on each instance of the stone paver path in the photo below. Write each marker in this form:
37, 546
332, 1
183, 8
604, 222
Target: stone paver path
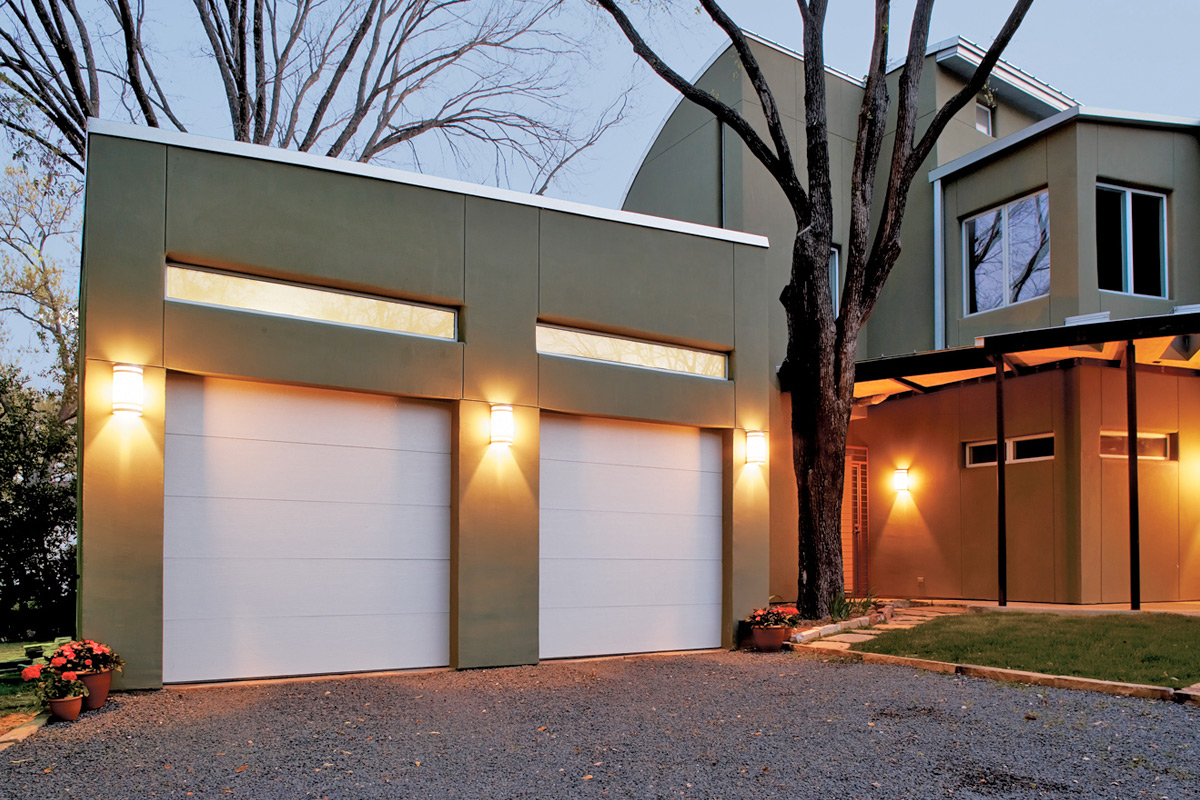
902, 619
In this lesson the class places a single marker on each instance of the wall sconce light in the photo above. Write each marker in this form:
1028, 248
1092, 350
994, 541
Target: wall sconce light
900, 480
127, 389
502, 425
756, 447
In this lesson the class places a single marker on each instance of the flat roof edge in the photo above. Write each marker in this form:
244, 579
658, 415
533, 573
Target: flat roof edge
263, 153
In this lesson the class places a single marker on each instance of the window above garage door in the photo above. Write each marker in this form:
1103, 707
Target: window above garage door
262, 296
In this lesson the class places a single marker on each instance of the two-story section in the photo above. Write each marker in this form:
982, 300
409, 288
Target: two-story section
1067, 253
697, 170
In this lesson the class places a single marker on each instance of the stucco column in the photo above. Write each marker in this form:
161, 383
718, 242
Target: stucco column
493, 540
121, 540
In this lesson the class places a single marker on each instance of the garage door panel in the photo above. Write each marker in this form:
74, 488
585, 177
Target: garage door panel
608, 487
253, 528
630, 537
247, 410
616, 534
302, 515
271, 647
580, 583
606, 441
208, 467
286, 587
568, 632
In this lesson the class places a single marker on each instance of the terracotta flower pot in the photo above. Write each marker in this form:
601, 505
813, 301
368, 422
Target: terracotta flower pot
66, 709
769, 640
97, 684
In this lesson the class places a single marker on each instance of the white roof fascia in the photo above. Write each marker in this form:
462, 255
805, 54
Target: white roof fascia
325, 163
1003, 71
720, 51
956, 47
1137, 118
1000, 146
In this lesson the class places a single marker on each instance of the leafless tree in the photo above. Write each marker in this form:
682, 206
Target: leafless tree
351, 79
821, 348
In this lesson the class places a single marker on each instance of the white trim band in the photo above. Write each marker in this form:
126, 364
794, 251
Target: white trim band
263, 153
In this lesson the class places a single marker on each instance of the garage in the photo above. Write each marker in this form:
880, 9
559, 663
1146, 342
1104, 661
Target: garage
306, 531
631, 537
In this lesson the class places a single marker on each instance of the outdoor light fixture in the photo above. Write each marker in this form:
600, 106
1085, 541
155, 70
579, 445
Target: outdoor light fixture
900, 480
502, 425
756, 447
127, 389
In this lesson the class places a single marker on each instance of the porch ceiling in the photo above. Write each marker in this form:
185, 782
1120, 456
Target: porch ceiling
1168, 340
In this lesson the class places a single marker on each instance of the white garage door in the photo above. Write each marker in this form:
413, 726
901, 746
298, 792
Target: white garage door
630, 537
306, 531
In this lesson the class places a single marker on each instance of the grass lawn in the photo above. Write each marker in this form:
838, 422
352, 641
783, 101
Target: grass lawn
1156, 649
16, 696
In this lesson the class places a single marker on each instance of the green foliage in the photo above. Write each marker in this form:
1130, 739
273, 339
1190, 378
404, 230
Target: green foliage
86, 655
37, 511
53, 684
1155, 649
842, 607
788, 616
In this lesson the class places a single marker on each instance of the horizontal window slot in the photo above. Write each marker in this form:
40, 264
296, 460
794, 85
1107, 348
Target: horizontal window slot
555, 341
304, 302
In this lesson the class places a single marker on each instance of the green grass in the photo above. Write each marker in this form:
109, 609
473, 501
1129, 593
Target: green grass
1156, 649
16, 695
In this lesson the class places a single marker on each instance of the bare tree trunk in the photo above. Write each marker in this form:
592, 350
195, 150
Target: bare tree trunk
821, 402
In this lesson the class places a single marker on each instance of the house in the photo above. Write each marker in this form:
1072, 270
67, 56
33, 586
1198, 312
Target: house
341, 418
1057, 239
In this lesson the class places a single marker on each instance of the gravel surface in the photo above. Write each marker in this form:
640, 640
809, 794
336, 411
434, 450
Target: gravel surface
705, 725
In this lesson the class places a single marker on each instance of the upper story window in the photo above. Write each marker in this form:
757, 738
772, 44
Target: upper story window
983, 119
1131, 241
1008, 254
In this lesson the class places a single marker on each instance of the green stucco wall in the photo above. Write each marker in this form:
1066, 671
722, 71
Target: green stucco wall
504, 266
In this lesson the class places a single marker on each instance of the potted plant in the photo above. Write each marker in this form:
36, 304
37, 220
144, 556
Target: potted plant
770, 626
62, 691
94, 663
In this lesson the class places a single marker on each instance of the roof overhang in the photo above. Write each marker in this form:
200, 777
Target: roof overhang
1166, 340
1013, 86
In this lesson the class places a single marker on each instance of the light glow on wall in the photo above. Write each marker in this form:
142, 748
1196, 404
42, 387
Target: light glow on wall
127, 389
503, 428
756, 447
900, 480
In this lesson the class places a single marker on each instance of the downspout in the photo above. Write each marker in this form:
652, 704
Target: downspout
721, 168
939, 269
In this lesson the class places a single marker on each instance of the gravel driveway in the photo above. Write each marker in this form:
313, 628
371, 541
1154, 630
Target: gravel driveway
705, 725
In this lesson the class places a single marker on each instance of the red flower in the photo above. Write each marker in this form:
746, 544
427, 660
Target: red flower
69, 676
58, 661
32, 672
88, 661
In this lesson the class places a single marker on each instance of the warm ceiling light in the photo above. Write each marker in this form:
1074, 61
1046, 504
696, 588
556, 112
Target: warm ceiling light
127, 389
900, 480
756, 447
502, 425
